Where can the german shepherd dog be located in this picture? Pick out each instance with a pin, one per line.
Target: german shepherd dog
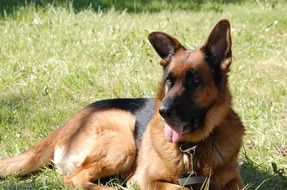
(188, 135)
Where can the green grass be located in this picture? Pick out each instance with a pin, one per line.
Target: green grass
(55, 59)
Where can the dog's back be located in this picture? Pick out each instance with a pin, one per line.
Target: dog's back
(70, 145)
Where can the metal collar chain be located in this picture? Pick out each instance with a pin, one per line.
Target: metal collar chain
(190, 151)
(190, 179)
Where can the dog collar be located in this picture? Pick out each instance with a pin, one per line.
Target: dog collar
(190, 179)
(187, 146)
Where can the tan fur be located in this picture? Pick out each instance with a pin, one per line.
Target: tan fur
(170, 163)
(113, 149)
(30, 161)
(100, 143)
(104, 146)
(219, 140)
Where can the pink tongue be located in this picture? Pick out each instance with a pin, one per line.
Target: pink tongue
(172, 132)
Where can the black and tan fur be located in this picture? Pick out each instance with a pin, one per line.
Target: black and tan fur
(139, 139)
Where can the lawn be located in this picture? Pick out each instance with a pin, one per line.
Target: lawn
(56, 58)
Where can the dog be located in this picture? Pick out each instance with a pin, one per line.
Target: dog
(187, 137)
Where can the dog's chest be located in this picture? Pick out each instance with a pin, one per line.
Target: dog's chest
(205, 160)
(199, 159)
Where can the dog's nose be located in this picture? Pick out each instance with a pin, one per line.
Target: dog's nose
(165, 111)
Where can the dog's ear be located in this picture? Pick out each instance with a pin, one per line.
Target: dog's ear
(165, 45)
(218, 45)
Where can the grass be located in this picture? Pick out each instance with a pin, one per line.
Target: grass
(57, 58)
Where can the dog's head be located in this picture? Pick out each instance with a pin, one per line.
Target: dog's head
(194, 83)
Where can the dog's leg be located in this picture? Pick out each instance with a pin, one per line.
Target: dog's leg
(84, 175)
(229, 178)
(143, 184)
(160, 185)
(107, 160)
(235, 184)
(107, 147)
(92, 186)
(84, 179)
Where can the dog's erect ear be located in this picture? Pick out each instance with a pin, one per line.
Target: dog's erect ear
(218, 45)
(164, 44)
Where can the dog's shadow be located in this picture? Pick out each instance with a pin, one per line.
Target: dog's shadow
(257, 177)
(46, 179)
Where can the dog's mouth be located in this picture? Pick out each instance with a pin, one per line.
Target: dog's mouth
(174, 130)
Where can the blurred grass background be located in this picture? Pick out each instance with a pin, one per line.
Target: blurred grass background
(58, 56)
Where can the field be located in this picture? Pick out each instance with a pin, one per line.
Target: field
(55, 58)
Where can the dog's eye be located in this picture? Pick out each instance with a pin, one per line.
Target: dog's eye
(169, 81)
(196, 80)
(193, 82)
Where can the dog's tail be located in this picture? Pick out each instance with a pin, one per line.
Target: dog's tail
(36, 157)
